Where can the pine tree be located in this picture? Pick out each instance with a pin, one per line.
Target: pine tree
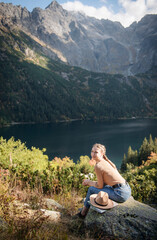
(135, 157)
(129, 154)
(151, 142)
(144, 151)
(155, 145)
(124, 161)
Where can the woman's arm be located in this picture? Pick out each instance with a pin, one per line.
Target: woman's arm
(99, 183)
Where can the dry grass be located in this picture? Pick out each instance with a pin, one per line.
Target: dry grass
(24, 224)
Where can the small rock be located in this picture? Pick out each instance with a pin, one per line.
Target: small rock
(53, 215)
(52, 204)
(26, 205)
(21, 205)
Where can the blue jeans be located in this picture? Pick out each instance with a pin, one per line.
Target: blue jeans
(119, 194)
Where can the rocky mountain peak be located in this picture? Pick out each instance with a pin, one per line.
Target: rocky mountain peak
(97, 45)
(54, 5)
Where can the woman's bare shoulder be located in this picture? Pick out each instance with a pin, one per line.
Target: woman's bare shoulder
(101, 165)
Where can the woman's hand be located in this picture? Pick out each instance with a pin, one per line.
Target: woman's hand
(92, 162)
(85, 182)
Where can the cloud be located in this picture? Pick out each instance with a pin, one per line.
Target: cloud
(129, 10)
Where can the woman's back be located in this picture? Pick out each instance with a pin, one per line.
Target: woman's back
(106, 173)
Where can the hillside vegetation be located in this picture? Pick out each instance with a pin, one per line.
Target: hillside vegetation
(33, 168)
(140, 170)
(27, 176)
(35, 88)
(136, 157)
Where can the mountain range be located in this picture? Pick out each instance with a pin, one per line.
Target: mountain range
(46, 58)
(86, 42)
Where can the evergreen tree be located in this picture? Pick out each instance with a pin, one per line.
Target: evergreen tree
(136, 158)
(123, 165)
(151, 142)
(143, 151)
(155, 145)
(132, 156)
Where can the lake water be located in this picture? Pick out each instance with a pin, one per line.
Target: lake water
(76, 138)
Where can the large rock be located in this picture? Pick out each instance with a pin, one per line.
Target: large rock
(129, 220)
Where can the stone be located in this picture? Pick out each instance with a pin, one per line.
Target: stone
(129, 220)
(52, 204)
(52, 215)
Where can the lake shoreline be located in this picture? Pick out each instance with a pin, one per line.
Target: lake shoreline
(74, 120)
(75, 138)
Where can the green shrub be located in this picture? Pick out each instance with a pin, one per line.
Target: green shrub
(143, 180)
(16, 155)
(83, 165)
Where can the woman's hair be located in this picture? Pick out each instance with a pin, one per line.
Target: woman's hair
(103, 149)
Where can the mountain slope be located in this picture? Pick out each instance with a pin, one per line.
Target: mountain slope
(35, 88)
(97, 45)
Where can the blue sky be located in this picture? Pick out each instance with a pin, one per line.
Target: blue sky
(30, 4)
(124, 11)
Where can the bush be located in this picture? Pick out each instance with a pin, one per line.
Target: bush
(143, 180)
(15, 154)
(30, 167)
(83, 165)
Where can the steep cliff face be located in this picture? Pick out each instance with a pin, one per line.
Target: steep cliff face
(33, 87)
(144, 40)
(97, 45)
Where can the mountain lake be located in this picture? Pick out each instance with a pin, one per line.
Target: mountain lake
(74, 139)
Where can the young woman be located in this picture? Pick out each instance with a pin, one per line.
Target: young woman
(109, 179)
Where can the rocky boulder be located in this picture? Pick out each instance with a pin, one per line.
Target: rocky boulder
(129, 220)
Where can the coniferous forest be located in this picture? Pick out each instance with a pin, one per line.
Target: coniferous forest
(35, 88)
(27, 178)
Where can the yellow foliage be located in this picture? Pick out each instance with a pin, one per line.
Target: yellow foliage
(15, 153)
(151, 159)
(85, 165)
(65, 162)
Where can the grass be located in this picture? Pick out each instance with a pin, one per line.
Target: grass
(25, 224)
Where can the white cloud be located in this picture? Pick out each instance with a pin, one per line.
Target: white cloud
(89, 10)
(130, 11)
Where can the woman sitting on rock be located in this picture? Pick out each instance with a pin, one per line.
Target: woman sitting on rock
(109, 180)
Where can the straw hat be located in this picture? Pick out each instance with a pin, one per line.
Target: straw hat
(101, 200)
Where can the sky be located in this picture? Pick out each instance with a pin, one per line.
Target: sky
(123, 11)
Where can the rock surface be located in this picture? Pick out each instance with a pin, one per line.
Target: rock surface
(130, 220)
(52, 215)
(52, 204)
(97, 45)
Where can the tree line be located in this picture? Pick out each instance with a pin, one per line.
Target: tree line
(137, 157)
